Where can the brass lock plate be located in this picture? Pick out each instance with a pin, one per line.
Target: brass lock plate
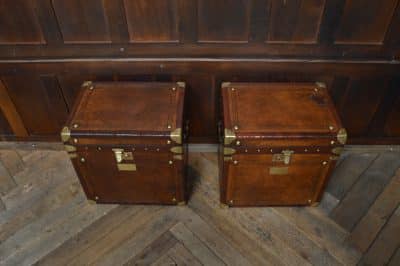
(284, 157)
(121, 156)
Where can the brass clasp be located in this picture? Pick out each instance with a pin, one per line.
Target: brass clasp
(120, 156)
(283, 157)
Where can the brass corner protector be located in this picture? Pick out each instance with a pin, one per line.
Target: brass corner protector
(342, 136)
(181, 84)
(337, 150)
(229, 136)
(70, 148)
(225, 84)
(65, 134)
(320, 84)
(87, 83)
(229, 151)
(177, 149)
(176, 135)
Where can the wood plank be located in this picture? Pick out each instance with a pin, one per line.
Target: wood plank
(370, 225)
(54, 235)
(385, 244)
(142, 235)
(214, 240)
(348, 172)
(165, 260)
(15, 219)
(90, 235)
(364, 192)
(322, 231)
(327, 203)
(7, 183)
(181, 256)
(273, 247)
(10, 112)
(155, 250)
(115, 237)
(2, 206)
(395, 259)
(11, 161)
(199, 249)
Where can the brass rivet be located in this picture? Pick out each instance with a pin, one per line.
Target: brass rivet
(309, 201)
(133, 149)
(82, 159)
(146, 149)
(332, 142)
(231, 202)
(235, 162)
(271, 150)
(96, 198)
(99, 148)
(157, 149)
(91, 87)
(258, 150)
(168, 142)
(173, 199)
(317, 150)
(237, 143)
(174, 89)
(233, 89)
(324, 162)
(170, 162)
(245, 150)
(169, 126)
(316, 89)
(75, 125)
(75, 140)
(236, 127)
(305, 150)
(331, 128)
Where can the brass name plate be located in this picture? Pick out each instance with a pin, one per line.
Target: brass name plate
(126, 166)
(278, 170)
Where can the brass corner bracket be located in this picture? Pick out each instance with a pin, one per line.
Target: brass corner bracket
(342, 136)
(229, 136)
(225, 84)
(176, 135)
(87, 84)
(229, 151)
(65, 134)
(181, 84)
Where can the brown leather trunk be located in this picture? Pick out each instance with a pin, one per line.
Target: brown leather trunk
(125, 141)
(280, 143)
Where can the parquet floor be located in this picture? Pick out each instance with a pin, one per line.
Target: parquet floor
(46, 220)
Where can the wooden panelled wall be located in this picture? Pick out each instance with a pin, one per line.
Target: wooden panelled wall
(49, 47)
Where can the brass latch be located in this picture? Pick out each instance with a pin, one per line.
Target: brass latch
(120, 156)
(283, 157)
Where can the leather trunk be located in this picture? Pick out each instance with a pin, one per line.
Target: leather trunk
(280, 142)
(127, 141)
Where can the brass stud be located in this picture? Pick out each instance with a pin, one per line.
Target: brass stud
(169, 126)
(317, 150)
(170, 162)
(309, 201)
(324, 162)
(235, 162)
(91, 87)
(75, 125)
(236, 127)
(237, 143)
(305, 150)
(231, 202)
(157, 149)
(232, 89)
(75, 140)
(99, 148)
(258, 150)
(173, 199)
(146, 149)
(245, 150)
(271, 150)
(96, 198)
(332, 142)
(174, 89)
(82, 160)
(331, 128)
(168, 142)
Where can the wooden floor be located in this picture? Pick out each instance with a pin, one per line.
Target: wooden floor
(46, 220)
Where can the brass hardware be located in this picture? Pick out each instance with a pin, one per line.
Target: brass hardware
(176, 149)
(278, 170)
(173, 199)
(121, 155)
(169, 126)
(320, 84)
(229, 151)
(225, 84)
(337, 150)
(176, 135)
(229, 136)
(305, 150)
(99, 148)
(331, 128)
(73, 155)
(258, 150)
(168, 142)
(236, 127)
(96, 198)
(87, 84)
(181, 84)
(158, 149)
(238, 143)
(170, 162)
(173, 89)
(82, 160)
(65, 134)
(75, 140)
(315, 204)
(181, 203)
(235, 162)
(70, 148)
(324, 162)
(334, 158)
(309, 201)
(283, 157)
(342, 136)
(126, 166)
(332, 142)
(178, 157)
(75, 125)
(233, 89)
(227, 159)
(231, 202)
